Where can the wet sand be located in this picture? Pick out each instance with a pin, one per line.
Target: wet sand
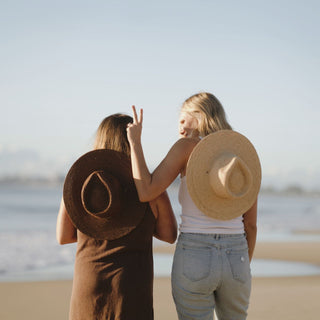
(282, 298)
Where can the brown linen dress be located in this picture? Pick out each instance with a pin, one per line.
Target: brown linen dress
(113, 279)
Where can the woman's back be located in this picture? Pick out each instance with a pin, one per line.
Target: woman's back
(112, 278)
(100, 210)
(195, 221)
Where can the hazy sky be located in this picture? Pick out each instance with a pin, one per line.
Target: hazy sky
(65, 65)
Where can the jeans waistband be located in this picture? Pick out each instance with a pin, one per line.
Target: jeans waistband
(215, 235)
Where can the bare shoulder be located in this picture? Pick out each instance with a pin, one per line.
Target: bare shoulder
(181, 150)
(174, 162)
(186, 145)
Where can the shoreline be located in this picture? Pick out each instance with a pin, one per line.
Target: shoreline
(288, 298)
(267, 262)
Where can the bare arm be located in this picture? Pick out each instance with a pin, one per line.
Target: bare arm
(166, 224)
(150, 186)
(250, 226)
(65, 230)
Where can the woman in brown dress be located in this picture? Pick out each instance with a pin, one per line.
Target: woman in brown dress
(113, 275)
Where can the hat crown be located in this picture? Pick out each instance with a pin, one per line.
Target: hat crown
(230, 177)
(100, 194)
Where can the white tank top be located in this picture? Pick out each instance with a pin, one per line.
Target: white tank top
(194, 221)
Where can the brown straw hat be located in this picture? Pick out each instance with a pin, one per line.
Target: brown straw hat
(100, 195)
(224, 175)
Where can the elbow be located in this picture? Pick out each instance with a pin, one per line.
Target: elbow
(143, 199)
(59, 237)
(170, 238)
(146, 197)
(173, 238)
(251, 228)
(147, 193)
(65, 240)
(61, 240)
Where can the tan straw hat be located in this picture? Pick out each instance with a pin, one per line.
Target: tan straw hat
(224, 175)
(100, 195)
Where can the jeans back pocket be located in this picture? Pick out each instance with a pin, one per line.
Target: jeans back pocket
(196, 262)
(239, 264)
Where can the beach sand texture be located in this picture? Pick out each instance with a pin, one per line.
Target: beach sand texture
(277, 298)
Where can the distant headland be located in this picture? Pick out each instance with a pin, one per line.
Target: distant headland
(57, 181)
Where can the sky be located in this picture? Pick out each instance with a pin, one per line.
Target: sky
(66, 65)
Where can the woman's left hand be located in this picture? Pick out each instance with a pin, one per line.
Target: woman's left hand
(134, 129)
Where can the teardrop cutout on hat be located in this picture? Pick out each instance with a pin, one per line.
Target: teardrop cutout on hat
(230, 177)
(99, 194)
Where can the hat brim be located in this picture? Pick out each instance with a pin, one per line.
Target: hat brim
(132, 211)
(200, 163)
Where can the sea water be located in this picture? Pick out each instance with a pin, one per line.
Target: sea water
(29, 251)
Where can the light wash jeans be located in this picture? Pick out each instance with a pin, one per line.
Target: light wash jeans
(211, 271)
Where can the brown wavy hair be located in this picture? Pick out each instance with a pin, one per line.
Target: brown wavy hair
(112, 133)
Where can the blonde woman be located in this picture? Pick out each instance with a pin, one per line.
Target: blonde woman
(113, 275)
(203, 278)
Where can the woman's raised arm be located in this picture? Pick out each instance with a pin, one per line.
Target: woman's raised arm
(150, 186)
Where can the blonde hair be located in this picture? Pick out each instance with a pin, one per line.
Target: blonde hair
(209, 112)
(112, 133)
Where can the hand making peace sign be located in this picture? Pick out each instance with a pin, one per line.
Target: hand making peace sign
(134, 129)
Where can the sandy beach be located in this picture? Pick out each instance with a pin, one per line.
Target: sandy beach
(285, 298)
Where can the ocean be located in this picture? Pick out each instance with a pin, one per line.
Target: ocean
(29, 251)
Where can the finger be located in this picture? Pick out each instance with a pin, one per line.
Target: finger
(135, 117)
(141, 116)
